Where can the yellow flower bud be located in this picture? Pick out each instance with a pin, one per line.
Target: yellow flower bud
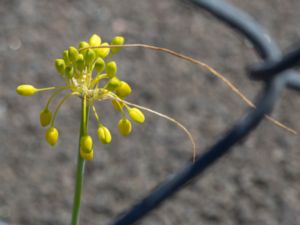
(87, 155)
(26, 90)
(65, 56)
(136, 115)
(73, 54)
(113, 83)
(124, 127)
(52, 136)
(86, 143)
(95, 40)
(111, 69)
(104, 135)
(45, 117)
(90, 56)
(60, 66)
(123, 90)
(99, 65)
(117, 105)
(80, 62)
(83, 44)
(102, 52)
(118, 40)
(69, 71)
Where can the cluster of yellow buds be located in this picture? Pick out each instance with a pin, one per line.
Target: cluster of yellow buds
(89, 73)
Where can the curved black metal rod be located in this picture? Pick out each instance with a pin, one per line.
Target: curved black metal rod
(268, 50)
(244, 24)
(273, 67)
(258, 36)
(293, 81)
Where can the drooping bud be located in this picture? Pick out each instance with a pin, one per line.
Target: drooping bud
(90, 56)
(73, 54)
(95, 40)
(99, 65)
(123, 90)
(124, 127)
(69, 71)
(136, 115)
(113, 83)
(86, 143)
(111, 69)
(117, 105)
(104, 134)
(26, 90)
(52, 136)
(80, 62)
(102, 52)
(118, 40)
(45, 117)
(60, 66)
(87, 155)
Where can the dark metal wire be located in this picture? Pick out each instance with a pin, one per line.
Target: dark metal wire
(273, 67)
(274, 85)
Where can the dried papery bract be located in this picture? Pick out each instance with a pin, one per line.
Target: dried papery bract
(231, 86)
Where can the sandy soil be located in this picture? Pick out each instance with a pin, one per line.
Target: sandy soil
(258, 183)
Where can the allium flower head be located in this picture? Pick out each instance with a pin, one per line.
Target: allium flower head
(90, 74)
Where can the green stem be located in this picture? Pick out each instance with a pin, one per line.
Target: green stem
(80, 166)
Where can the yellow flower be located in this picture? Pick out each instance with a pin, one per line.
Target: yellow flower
(123, 90)
(26, 90)
(118, 40)
(52, 136)
(124, 127)
(90, 77)
(111, 69)
(102, 52)
(104, 134)
(87, 155)
(95, 40)
(136, 115)
(86, 143)
(117, 105)
(45, 117)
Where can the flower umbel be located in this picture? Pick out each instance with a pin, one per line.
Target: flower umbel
(92, 75)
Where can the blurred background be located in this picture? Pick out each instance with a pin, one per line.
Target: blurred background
(257, 183)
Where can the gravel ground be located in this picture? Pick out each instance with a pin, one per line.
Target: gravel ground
(258, 183)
